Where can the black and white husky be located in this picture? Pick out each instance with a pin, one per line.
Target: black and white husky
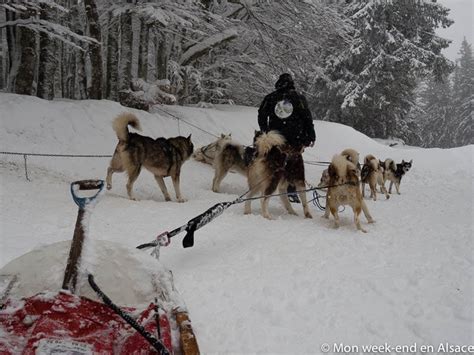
(394, 172)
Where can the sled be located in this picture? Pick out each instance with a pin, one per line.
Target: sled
(105, 299)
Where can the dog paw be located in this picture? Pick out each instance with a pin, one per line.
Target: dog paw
(181, 200)
(109, 186)
(308, 215)
(167, 198)
(247, 212)
(363, 230)
(268, 216)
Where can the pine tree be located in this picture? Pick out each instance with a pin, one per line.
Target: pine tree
(370, 85)
(438, 111)
(463, 96)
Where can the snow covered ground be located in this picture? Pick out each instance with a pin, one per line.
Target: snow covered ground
(253, 285)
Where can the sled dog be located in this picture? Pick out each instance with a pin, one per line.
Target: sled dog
(207, 153)
(351, 155)
(344, 190)
(162, 156)
(275, 166)
(231, 156)
(372, 173)
(394, 173)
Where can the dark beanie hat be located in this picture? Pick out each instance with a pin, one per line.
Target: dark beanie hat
(285, 80)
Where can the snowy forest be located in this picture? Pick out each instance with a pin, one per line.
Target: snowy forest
(374, 65)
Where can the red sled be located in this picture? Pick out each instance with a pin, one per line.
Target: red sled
(48, 306)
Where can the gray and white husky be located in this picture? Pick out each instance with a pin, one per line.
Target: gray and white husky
(394, 173)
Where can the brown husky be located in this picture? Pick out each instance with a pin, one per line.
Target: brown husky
(275, 166)
(371, 174)
(231, 156)
(162, 157)
(344, 190)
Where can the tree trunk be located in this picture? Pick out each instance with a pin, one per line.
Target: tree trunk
(26, 71)
(143, 50)
(47, 59)
(112, 58)
(80, 90)
(2, 74)
(161, 57)
(12, 51)
(126, 50)
(95, 49)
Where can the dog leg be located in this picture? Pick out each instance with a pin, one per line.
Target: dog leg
(302, 194)
(390, 187)
(357, 219)
(264, 203)
(397, 187)
(284, 199)
(108, 180)
(336, 217)
(162, 185)
(366, 212)
(115, 166)
(248, 203)
(177, 189)
(219, 175)
(384, 191)
(132, 177)
(363, 189)
(373, 190)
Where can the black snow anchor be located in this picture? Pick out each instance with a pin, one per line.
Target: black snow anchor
(193, 225)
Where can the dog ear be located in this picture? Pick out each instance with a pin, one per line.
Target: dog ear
(411, 161)
(403, 161)
(230, 134)
(189, 137)
(222, 135)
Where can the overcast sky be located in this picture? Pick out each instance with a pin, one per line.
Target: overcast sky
(462, 12)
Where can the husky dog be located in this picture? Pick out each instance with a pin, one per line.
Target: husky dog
(162, 156)
(231, 156)
(275, 166)
(371, 173)
(344, 190)
(394, 173)
(351, 155)
(207, 153)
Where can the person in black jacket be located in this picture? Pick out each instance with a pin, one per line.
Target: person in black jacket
(286, 111)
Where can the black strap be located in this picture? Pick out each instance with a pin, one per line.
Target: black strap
(158, 345)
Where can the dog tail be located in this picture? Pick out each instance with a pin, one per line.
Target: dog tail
(267, 141)
(352, 155)
(342, 166)
(390, 164)
(122, 122)
(368, 158)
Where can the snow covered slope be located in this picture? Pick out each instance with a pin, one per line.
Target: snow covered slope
(253, 285)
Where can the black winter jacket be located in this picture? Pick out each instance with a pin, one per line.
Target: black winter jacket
(298, 128)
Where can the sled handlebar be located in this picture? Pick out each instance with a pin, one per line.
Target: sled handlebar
(86, 185)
